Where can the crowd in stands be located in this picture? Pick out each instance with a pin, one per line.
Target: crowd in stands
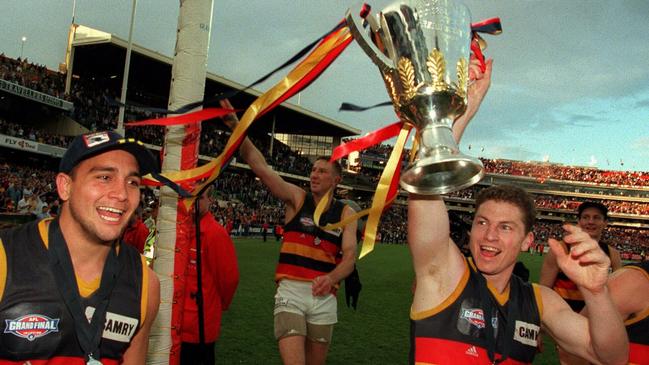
(565, 203)
(33, 134)
(27, 190)
(95, 107)
(31, 75)
(540, 171)
(570, 173)
(243, 202)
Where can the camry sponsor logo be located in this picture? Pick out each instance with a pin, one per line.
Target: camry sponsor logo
(96, 139)
(526, 333)
(117, 327)
(32, 326)
(475, 316)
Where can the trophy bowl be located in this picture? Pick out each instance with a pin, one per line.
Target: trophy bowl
(422, 50)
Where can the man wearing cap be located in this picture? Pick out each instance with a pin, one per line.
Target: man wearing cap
(69, 292)
(592, 218)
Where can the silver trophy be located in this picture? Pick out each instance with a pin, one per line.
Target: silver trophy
(422, 50)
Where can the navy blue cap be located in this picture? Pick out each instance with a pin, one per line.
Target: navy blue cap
(591, 204)
(92, 144)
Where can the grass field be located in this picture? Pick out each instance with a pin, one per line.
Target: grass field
(376, 333)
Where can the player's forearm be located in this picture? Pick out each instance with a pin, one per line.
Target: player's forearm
(609, 341)
(251, 155)
(428, 229)
(343, 269)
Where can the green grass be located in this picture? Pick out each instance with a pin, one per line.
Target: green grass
(376, 333)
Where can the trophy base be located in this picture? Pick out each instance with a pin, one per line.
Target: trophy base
(437, 176)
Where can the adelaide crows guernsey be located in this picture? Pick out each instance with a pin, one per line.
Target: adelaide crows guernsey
(454, 332)
(35, 324)
(307, 251)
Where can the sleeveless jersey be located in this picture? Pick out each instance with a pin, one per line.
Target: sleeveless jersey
(638, 327)
(569, 290)
(308, 251)
(455, 333)
(35, 324)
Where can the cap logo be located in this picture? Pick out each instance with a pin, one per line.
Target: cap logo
(95, 139)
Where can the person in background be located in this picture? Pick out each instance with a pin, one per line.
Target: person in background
(136, 233)
(592, 218)
(219, 279)
(312, 260)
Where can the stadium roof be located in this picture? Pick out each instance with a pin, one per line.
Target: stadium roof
(99, 55)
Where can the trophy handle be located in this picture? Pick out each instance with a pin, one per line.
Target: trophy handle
(355, 24)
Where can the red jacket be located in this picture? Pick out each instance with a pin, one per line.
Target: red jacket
(220, 277)
(135, 235)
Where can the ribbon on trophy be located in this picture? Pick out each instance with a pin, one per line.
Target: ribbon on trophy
(478, 44)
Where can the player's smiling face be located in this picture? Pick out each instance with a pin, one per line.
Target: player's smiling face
(103, 194)
(497, 236)
(593, 222)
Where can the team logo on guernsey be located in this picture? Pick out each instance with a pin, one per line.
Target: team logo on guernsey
(32, 326)
(526, 333)
(475, 316)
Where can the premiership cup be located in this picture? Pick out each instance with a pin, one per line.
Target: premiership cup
(422, 50)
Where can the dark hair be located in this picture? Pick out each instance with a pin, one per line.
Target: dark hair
(590, 204)
(338, 169)
(513, 195)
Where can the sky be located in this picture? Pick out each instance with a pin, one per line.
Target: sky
(570, 81)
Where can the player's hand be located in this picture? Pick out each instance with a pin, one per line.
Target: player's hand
(322, 285)
(581, 259)
(479, 82)
(231, 119)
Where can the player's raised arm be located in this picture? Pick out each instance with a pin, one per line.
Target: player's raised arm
(292, 195)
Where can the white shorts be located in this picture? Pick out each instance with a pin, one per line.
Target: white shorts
(295, 296)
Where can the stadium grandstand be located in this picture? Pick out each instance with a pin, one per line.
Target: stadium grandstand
(40, 109)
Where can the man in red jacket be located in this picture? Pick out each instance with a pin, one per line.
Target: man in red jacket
(219, 277)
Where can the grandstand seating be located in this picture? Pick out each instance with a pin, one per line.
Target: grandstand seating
(245, 204)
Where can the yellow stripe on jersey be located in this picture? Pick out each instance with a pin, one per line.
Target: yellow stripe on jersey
(447, 302)
(539, 298)
(43, 226)
(306, 251)
(3, 269)
(86, 288)
(145, 290)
